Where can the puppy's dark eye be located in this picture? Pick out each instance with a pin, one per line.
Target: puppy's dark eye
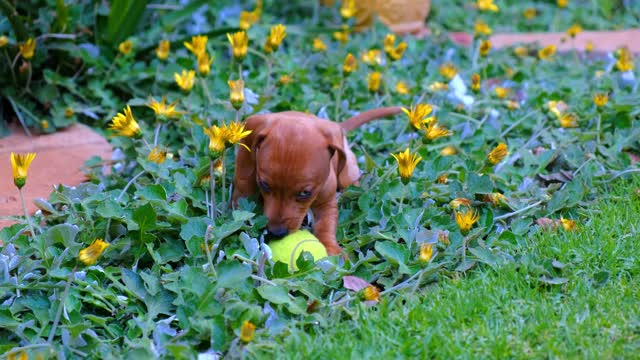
(303, 195)
(264, 187)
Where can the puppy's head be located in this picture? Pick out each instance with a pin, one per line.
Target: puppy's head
(297, 157)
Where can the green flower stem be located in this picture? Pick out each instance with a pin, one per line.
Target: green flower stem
(268, 282)
(598, 125)
(402, 284)
(156, 134)
(402, 197)
(464, 248)
(29, 75)
(508, 215)
(26, 213)
(212, 175)
(339, 98)
(129, 184)
(267, 86)
(205, 90)
(513, 126)
(385, 82)
(207, 235)
(61, 306)
(13, 75)
(224, 180)
(113, 63)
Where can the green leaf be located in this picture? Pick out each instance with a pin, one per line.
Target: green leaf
(110, 209)
(280, 295)
(394, 253)
(193, 227)
(241, 215)
(477, 184)
(232, 274)
(152, 192)
(145, 217)
(485, 256)
(64, 234)
(134, 283)
(124, 17)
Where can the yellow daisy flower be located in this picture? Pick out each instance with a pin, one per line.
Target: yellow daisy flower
(247, 331)
(466, 219)
(236, 93)
(348, 8)
(498, 154)
(426, 252)
(372, 57)
(239, 44)
(487, 5)
(448, 70)
(485, 47)
(373, 81)
(600, 99)
(406, 164)
(371, 293)
(125, 47)
(350, 64)
(157, 155)
(343, 35)
(162, 109)
(434, 131)
(198, 45)
(568, 120)
(547, 52)
(475, 82)
(204, 63)
(319, 45)
(402, 88)
(418, 115)
(162, 51)
(27, 49)
(529, 13)
(186, 80)
(235, 132)
(217, 138)
(481, 28)
(125, 124)
(90, 254)
(273, 41)
(20, 165)
(574, 30)
(448, 150)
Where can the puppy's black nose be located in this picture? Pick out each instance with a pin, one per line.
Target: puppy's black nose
(278, 232)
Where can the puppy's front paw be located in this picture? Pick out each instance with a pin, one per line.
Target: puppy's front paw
(334, 250)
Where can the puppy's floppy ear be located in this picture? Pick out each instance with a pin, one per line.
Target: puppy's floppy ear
(347, 170)
(244, 180)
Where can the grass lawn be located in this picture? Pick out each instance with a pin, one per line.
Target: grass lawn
(504, 312)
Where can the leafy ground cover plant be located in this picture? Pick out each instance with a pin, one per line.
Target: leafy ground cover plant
(150, 260)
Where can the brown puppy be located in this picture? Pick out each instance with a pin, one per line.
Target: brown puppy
(298, 162)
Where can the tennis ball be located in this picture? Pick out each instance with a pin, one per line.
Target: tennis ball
(291, 246)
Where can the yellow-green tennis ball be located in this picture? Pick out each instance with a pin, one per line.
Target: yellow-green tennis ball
(289, 248)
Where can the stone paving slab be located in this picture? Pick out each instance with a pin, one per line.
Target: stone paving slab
(60, 157)
(603, 41)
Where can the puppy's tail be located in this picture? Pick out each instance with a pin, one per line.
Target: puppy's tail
(367, 116)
